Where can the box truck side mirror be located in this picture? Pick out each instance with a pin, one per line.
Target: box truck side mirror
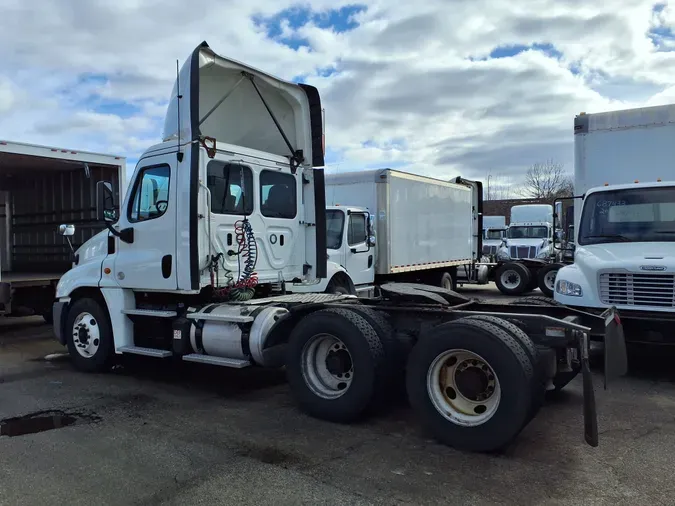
(67, 230)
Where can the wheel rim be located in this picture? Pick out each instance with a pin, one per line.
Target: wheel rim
(463, 387)
(327, 366)
(86, 335)
(549, 279)
(510, 279)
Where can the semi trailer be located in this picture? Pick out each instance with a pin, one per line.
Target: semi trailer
(40, 188)
(197, 271)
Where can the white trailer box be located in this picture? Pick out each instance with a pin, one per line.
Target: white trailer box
(494, 222)
(421, 223)
(41, 188)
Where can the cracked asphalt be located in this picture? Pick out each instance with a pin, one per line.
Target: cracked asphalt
(150, 434)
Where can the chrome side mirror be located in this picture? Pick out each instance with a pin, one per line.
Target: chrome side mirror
(67, 230)
(371, 241)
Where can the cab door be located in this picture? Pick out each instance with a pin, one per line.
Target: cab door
(148, 260)
(360, 256)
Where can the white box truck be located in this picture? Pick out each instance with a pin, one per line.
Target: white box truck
(406, 228)
(42, 187)
(196, 272)
(625, 220)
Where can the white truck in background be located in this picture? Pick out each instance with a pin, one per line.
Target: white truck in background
(526, 256)
(42, 187)
(494, 231)
(625, 222)
(406, 228)
(197, 273)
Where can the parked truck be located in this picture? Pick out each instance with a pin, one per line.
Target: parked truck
(40, 188)
(625, 220)
(406, 228)
(526, 259)
(197, 273)
(494, 231)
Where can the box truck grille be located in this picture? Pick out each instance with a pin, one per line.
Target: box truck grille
(489, 250)
(523, 251)
(627, 289)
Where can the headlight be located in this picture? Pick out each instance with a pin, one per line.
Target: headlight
(543, 253)
(567, 288)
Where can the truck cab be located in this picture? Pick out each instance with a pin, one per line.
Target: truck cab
(492, 239)
(625, 253)
(530, 233)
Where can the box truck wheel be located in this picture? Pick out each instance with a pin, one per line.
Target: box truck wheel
(448, 281)
(512, 278)
(89, 336)
(336, 364)
(546, 278)
(470, 382)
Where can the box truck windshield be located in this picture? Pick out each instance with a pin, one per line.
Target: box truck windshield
(494, 234)
(627, 215)
(517, 232)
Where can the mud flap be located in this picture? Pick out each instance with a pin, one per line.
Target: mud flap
(616, 358)
(590, 409)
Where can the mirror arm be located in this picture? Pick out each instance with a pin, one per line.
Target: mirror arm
(125, 235)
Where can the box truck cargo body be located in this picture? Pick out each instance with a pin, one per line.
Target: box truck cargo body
(625, 223)
(41, 188)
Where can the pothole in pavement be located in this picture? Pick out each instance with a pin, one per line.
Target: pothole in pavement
(42, 421)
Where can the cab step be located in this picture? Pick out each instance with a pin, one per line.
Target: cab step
(150, 312)
(147, 352)
(209, 359)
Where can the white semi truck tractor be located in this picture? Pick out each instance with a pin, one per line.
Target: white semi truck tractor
(625, 221)
(229, 209)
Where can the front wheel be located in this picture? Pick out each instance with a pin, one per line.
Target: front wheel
(89, 336)
(546, 279)
(512, 278)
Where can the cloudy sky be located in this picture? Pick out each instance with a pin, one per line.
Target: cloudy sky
(440, 87)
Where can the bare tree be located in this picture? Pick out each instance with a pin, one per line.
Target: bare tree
(547, 180)
(498, 187)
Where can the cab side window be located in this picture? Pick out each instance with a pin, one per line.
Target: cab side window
(231, 187)
(151, 194)
(357, 231)
(278, 195)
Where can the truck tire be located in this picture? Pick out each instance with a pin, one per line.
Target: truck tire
(338, 288)
(512, 278)
(89, 336)
(336, 365)
(448, 281)
(546, 278)
(494, 383)
(534, 300)
(538, 379)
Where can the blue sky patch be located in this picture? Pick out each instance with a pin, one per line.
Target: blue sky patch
(508, 51)
(339, 20)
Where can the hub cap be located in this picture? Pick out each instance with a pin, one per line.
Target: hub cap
(86, 335)
(549, 279)
(327, 366)
(510, 279)
(463, 387)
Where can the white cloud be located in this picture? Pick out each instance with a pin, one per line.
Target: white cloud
(414, 83)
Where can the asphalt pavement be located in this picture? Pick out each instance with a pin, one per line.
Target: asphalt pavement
(151, 433)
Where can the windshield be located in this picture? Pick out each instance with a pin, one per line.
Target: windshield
(335, 221)
(494, 234)
(630, 215)
(539, 232)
